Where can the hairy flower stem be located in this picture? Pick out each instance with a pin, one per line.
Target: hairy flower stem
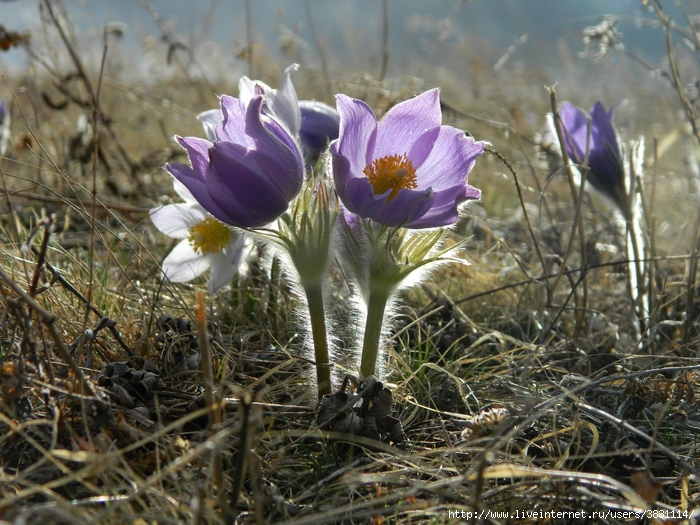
(373, 330)
(314, 299)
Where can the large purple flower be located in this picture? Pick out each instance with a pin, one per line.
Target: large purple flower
(248, 176)
(604, 159)
(407, 170)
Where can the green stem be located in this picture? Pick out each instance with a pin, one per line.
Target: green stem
(314, 299)
(373, 331)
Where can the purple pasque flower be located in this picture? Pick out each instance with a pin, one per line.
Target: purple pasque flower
(606, 172)
(250, 173)
(313, 123)
(406, 170)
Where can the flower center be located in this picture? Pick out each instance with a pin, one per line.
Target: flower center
(209, 236)
(393, 172)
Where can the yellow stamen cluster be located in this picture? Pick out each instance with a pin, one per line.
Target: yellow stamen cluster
(209, 236)
(392, 172)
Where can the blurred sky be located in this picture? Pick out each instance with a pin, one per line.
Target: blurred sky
(414, 24)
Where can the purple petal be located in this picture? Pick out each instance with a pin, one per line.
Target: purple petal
(445, 208)
(236, 184)
(280, 157)
(358, 128)
(196, 186)
(183, 192)
(358, 195)
(406, 122)
(320, 124)
(232, 127)
(408, 206)
(605, 166)
(601, 123)
(197, 151)
(421, 148)
(575, 123)
(450, 161)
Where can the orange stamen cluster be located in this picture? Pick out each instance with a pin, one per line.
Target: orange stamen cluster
(209, 236)
(392, 172)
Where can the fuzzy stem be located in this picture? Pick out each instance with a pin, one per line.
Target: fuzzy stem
(373, 331)
(314, 299)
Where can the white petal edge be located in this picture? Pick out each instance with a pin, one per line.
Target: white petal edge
(210, 120)
(175, 220)
(184, 263)
(183, 192)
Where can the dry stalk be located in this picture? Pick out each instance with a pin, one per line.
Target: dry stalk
(578, 218)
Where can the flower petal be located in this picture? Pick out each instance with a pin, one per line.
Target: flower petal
(183, 192)
(358, 128)
(194, 183)
(224, 264)
(408, 206)
(602, 123)
(237, 185)
(284, 103)
(450, 161)
(232, 127)
(184, 263)
(576, 124)
(445, 208)
(246, 89)
(280, 156)
(196, 151)
(210, 120)
(281, 104)
(359, 198)
(406, 122)
(320, 124)
(175, 220)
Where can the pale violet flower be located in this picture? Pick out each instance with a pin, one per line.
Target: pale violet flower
(407, 169)
(206, 242)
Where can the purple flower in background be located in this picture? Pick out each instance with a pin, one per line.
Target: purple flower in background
(320, 124)
(604, 159)
(313, 123)
(250, 173)
(407, 170)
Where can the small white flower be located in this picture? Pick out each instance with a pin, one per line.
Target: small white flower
(206, 242)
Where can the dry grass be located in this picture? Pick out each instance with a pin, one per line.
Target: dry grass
(509, 403)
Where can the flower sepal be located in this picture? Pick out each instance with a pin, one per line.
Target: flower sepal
(383, 260)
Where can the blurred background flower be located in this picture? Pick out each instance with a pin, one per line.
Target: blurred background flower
(605, 169)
